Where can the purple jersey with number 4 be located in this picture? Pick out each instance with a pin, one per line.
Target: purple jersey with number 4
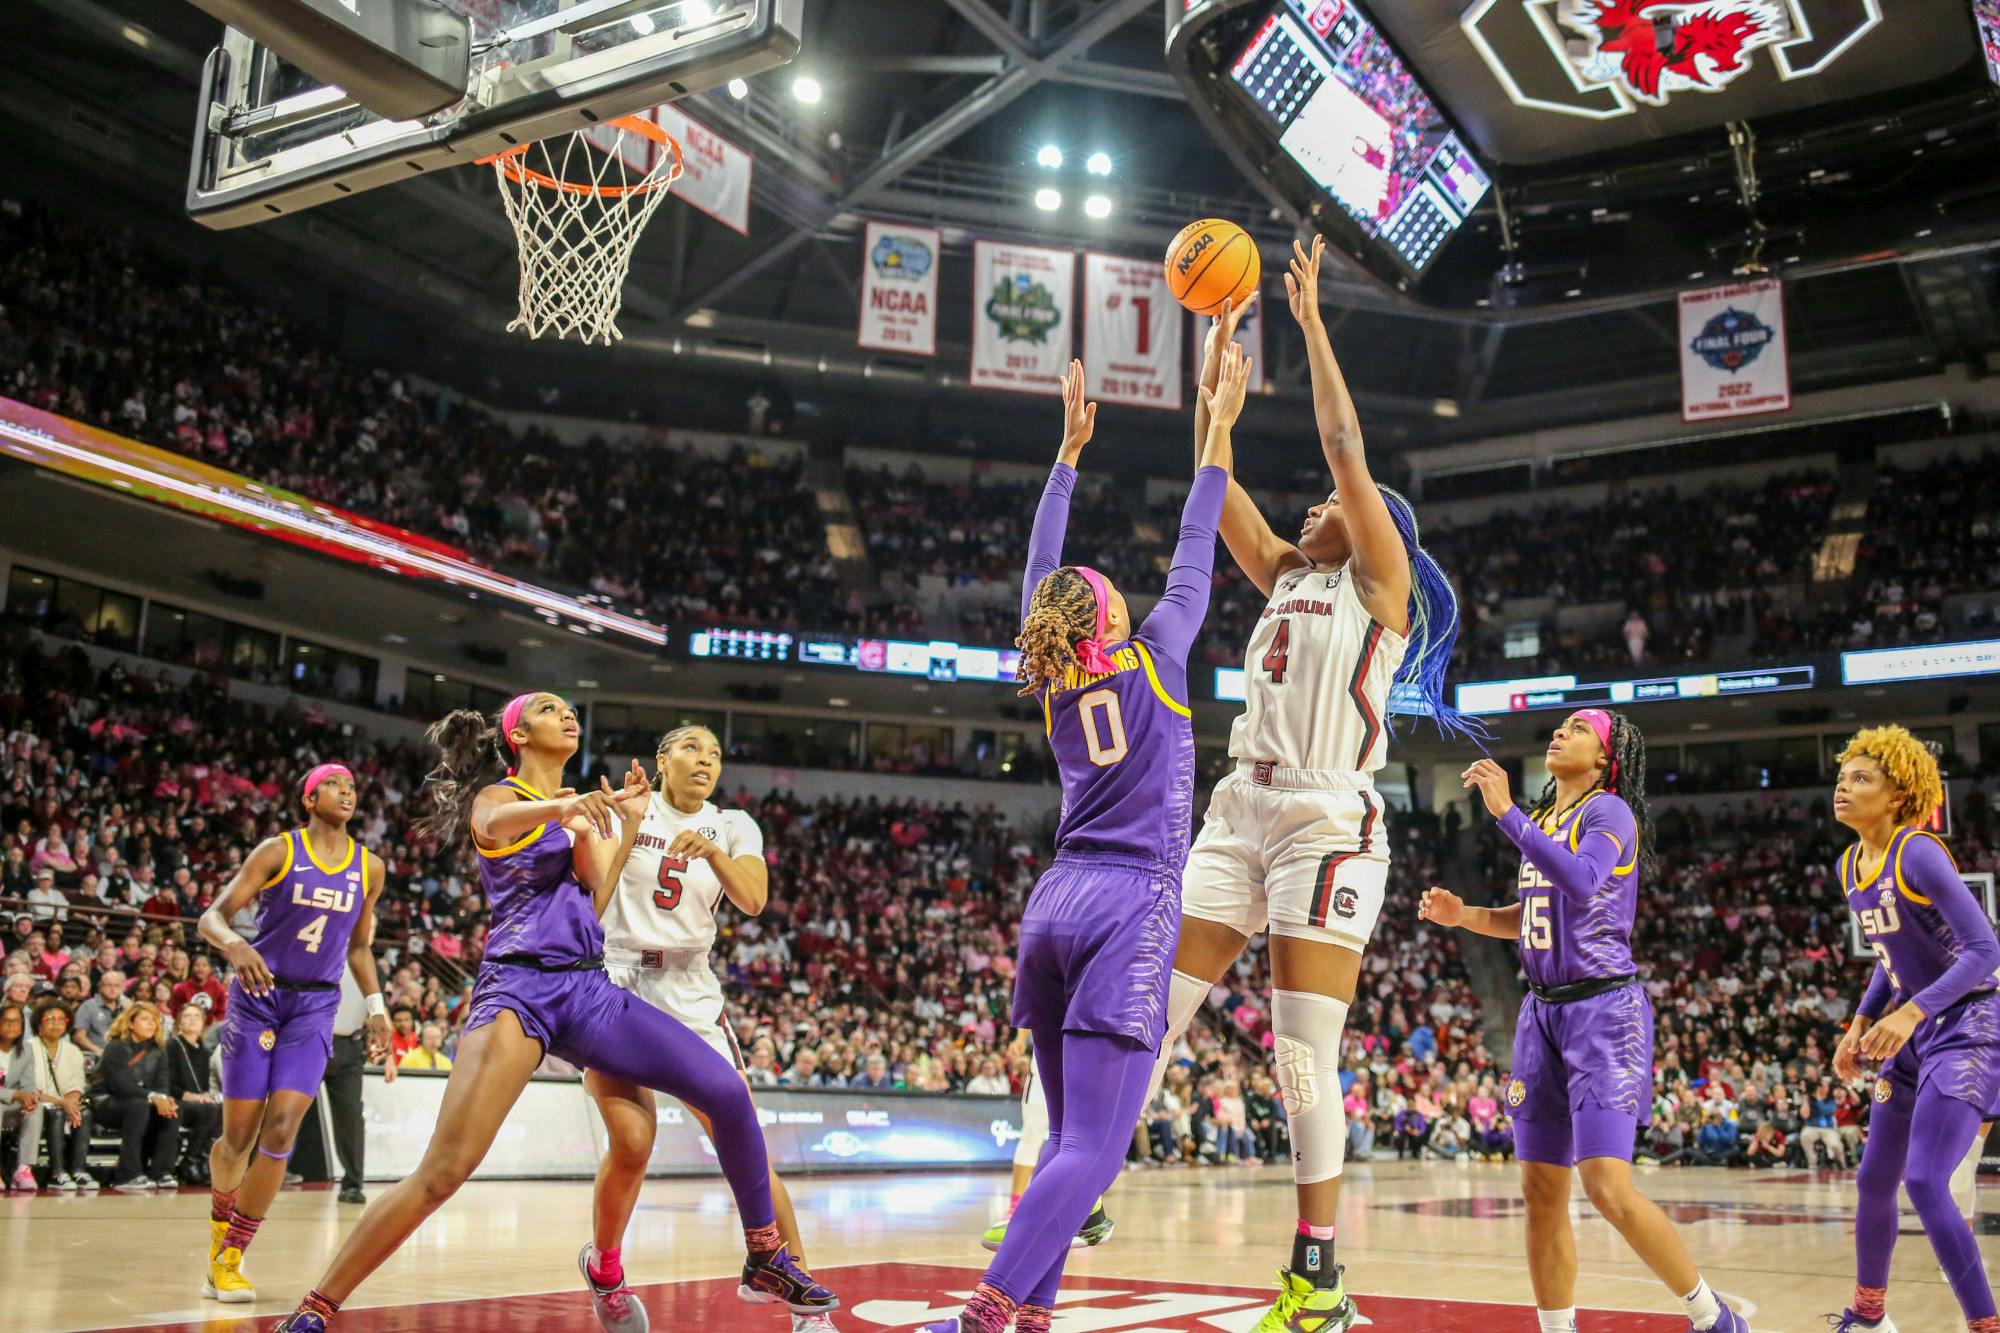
(1124, 741)
(307, 913)
(1579, 886)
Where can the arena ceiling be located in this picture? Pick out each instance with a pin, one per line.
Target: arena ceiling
(933, 111)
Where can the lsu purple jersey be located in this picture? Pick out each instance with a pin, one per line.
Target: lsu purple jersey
(1917, 915)
(539, 908)
(1124, 745)
(306, 914)
(1584, 931)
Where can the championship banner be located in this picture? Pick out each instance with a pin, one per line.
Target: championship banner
(899, 287)
(1249, 332)
(1131, 333)
(1734, 361)
(1022, 300)
(716, 175)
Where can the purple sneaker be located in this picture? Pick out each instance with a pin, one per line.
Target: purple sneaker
(302, 1321)
(1731, 1322)
(779, 1280)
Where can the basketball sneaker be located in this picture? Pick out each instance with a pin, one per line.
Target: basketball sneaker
(24, 1181)
(1303, 1308)
(216, 1231)
(618, 1307)
(813, 1323)
(778, 1280)
(1849, 1322)
(302, 1321)
(226, 1282)
(1096, 1229)
(1731, 1322)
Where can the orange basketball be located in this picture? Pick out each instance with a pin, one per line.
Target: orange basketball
(1210, 262)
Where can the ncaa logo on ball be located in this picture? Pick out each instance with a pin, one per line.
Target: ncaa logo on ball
(1732, 340)
(1883, 1089)
(268, 1039)
(1517, 1092)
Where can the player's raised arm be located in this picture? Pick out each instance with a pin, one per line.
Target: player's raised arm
(1045, 542)
(1381, 562)
(597, 857)
(1260, 553)
(1176, 618)
(259, 871)
(1607, 835)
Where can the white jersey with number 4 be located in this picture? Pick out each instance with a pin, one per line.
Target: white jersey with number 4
(1316, 677)
(669, 902)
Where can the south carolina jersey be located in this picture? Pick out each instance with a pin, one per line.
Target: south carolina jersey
(669, 902)
(1586, 932)
(307, 912)
(1317, 674)
(539, 906)
(1917, 915)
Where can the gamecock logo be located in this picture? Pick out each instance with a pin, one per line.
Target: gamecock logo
(1656, 48)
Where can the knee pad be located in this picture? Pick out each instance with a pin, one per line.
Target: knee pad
(1185, 996)
(1306, 1050)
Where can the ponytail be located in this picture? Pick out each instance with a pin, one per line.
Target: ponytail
(1061, 614)
(1433, 627)
(467, 743)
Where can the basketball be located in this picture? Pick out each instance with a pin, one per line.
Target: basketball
(1210, 262)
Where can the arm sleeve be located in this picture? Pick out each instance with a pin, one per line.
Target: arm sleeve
(1045, 543)
(1876, 998)
(1926, 868)
(1605, 840)
(1176, 620)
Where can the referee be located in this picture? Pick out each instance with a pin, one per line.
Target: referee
(343, 1086)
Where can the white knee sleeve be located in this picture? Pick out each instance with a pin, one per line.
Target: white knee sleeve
(1307, 1029)
(1034, 1122)
(1185, 996)
(1965, 1180)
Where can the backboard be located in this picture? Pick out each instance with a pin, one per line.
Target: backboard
(271, 140)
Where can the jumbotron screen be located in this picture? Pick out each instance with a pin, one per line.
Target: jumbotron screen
(1351, 114)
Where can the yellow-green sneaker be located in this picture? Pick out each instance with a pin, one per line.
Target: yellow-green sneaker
(1097, 1229)
(1303, 1308)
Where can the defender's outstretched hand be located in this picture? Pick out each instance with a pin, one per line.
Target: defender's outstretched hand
(1079, 416)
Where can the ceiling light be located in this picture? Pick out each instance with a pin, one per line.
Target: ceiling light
(1050, 156)
(738, 89)
(642, 24)
(1099, 164)
(806, 89)
(697, 11)
(1097, 206)
(1048, 200)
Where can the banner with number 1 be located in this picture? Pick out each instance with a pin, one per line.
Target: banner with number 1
(1131, 333)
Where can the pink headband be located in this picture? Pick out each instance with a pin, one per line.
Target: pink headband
(511, 715)
(1090, 654)
(322, 773)
(1600, 722)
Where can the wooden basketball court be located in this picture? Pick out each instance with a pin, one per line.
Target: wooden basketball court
(1433, 1248)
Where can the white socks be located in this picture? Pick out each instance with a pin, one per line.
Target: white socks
(1703, 1309)
(1558, 1321)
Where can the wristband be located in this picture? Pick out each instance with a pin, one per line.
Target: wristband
(377, 1007)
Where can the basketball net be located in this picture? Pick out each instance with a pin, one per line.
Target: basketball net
(578, 203)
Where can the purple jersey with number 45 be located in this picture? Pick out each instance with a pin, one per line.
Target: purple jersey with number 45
(307, 913)
(1579, 886)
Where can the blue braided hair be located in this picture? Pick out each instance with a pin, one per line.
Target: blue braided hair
(1433, 627)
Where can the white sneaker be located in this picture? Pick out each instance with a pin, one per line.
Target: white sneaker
(813, 1323)
(136, 1185)
(86, 1183)
(63, 1182)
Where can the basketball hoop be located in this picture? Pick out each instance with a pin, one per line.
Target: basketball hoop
(577, 213)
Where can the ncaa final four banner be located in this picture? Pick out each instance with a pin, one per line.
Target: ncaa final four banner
(1131, 333)
(1023, 299)
(899, 284)
(1734, 360)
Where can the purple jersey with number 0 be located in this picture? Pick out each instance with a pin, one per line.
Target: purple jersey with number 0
(307, 913)
(1579, 887)
(539, 908)
(1124, 740)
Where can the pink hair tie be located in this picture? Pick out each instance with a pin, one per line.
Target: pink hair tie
(1600, 722)
(321, 774)
(1090, 653)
